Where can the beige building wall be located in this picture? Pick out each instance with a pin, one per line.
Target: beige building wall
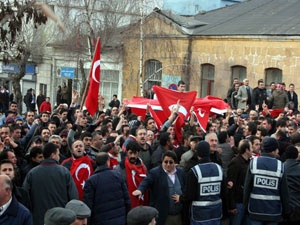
(255, 54)
(162, 41)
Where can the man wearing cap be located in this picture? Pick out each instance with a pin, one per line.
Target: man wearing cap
(64, 150)
(36, 141)
(189, 154)
(204, 189)
(59, 216)
(133, 172)
(292, 169)
(266, 191)
(81, 210)
(142, 215)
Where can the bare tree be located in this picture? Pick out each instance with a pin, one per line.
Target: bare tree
(86, 20)
(19, 22)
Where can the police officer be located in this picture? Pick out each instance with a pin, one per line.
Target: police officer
(266, 190)
(204, 188)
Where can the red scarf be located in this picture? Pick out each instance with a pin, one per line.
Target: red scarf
(134, 176)
(81, 169)
(113, 160)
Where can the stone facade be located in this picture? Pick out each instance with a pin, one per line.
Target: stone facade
(183, 55)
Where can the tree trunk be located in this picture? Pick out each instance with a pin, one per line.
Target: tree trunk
(83, 76)
(17, 79)
(17, 93)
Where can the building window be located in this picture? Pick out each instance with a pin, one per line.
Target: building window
(43, 88)
(153, 74)
(109, 84)
(239, 72)
(207, 80)
(273, 75)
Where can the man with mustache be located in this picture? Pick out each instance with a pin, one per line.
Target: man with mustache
(133, 171)
(146, 150)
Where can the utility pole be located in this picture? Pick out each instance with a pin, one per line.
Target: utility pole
(141, 49)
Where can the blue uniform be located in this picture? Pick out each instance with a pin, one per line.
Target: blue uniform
(208, 204)
(265, 191)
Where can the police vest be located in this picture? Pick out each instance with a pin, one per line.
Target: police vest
(265, 195)
(208, 205)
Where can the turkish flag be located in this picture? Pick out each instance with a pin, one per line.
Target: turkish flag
(81, 170)
(169, 98)
(215, 104)
(203, 107)
(155, 117)
(138, 106)
(92, 96)
(202, 115)
(273, 112)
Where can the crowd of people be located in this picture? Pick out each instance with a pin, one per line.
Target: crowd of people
(116, 167)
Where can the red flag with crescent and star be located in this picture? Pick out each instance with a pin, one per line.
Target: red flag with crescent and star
(91, 102)
(202, 115)
(81, 170)
(169, 98)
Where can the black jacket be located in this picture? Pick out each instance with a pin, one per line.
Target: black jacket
(22, 196)
(292, 169)
(237, 170)
(157, 183)
(106, 195)
(259, 96)
(294, 99)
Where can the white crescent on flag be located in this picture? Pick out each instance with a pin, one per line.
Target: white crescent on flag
(182, 109)
(96, 64)
(201, 114)
(82, 166)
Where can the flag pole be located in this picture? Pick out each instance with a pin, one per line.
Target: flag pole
(85, 93)
(88, 79)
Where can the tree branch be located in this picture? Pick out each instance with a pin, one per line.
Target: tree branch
(20, 11)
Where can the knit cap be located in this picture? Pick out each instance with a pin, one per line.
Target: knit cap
(269, 144)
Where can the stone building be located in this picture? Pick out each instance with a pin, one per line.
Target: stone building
(254, 39)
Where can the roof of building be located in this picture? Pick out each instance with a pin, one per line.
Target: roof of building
(253, 17)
